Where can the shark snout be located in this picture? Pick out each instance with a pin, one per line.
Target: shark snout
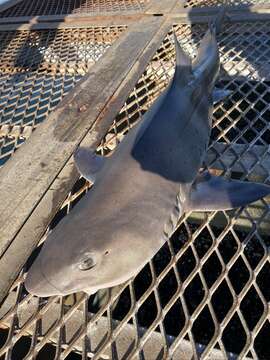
(37, 284)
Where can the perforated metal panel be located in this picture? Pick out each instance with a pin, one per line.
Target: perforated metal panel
(37, 68)
(208, 286)
(59, 7)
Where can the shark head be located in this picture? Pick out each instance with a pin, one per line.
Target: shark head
(73, 260)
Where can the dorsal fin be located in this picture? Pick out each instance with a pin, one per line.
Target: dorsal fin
(214, 28)
(88, 163)
(183, 71)
(216, 25)
(202, 50)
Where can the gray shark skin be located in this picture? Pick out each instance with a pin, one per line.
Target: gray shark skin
(125, 219)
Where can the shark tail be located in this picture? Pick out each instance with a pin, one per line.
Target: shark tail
(216, 24)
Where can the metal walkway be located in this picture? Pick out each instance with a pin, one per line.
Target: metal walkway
(205, 294)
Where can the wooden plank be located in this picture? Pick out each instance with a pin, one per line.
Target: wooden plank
(169, 8)
(205, 14)
(75, 19)
(250, 16)
(26, 181)
(158, 7)
(105, 21)
(73, 24)
(9, 4)
(195, 18)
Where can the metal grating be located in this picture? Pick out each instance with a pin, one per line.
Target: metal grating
(205, 3)
(37, 68)
(206, 291)
(63, 7)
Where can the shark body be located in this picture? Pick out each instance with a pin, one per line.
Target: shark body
(140, 191)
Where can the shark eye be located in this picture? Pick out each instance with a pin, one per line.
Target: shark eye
(87, 263)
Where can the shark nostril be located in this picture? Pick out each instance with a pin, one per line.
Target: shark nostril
(87, 263)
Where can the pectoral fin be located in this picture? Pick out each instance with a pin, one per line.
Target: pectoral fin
(211, 193)
(88, 163)
(220, 94)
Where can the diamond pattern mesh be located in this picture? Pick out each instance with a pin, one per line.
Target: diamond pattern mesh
(37, 68)
(206, 291)
(59, 7)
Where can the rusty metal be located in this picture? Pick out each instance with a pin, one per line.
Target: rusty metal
(208, 285)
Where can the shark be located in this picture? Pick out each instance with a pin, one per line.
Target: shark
(139, 192)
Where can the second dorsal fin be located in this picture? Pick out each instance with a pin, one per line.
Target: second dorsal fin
(183, 69)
